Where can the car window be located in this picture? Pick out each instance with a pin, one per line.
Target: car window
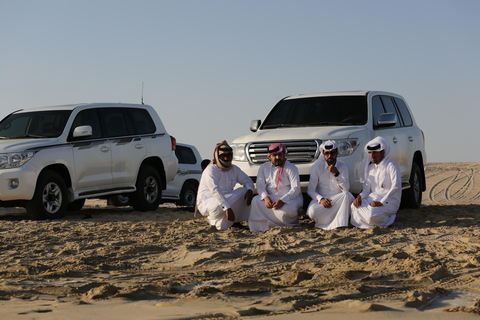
(407, 118)
(185, 155)
(114, 122)
(88, 117)
(377, 110)
(318, 111)
(141, 120)
(45, 124)
(390, 108)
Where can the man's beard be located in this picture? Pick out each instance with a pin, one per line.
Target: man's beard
(331, 162)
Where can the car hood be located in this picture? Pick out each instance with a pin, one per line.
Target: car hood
(304, 133)
(18, 145)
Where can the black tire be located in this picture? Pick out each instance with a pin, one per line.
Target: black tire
(412, 197)
(76, 205)
(50, 198)
(119, 200)
(148, 195)
(188, 195)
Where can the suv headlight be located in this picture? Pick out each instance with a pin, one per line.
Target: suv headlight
(14, 160)
(238, 151)
(346, 146)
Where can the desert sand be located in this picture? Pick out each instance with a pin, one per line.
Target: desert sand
(115, 263)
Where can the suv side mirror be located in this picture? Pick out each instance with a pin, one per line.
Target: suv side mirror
(387, 120)
(82, 131)
(254, 125)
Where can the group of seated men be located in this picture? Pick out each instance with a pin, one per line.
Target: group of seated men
(279, 195)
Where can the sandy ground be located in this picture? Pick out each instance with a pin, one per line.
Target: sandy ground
(115, 263)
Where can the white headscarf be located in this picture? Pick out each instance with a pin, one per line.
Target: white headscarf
(377, 144)
(327, 145)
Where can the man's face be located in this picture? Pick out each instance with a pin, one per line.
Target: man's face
(277, 158)
(377, 156)
(330, 156)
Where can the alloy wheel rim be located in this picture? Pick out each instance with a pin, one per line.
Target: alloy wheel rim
(190, 198)
(150, 189)
(52, 198)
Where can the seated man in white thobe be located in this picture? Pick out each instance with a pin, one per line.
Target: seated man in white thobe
(328, 187)
(279, 195)
(380, 198)
(216, 198)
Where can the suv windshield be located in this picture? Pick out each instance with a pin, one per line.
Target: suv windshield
(45, 124)
(318, 111)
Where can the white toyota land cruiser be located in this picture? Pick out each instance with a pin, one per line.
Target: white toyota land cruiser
(350, 118)
(53, 158)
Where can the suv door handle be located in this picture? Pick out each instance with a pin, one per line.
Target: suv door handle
(395, 140)
(139, 146)
(104, 149)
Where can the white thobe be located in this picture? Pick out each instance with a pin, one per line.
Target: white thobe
(323, 184)
(217, 193)
(263, 218)
(383, 184)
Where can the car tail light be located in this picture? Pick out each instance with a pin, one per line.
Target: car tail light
(174, 142)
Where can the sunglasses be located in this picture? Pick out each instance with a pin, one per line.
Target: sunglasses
(327, 153)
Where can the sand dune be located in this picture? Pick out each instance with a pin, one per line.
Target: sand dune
(116, 263)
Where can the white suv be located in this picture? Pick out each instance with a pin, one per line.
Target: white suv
(183, 189)
(52, 158)
(350, 118)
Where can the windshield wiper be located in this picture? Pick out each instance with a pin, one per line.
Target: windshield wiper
(27, 136)
(315, 124)
(283, 125)
(327, 123)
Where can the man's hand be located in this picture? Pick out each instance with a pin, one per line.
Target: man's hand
(248, 196)
(268, 202)
(278, 204)
(326, 203)
(230, 214)
(357, 202)
(332, 169)
(376, 204)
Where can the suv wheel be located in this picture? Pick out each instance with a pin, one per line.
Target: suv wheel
(148, 195)
(412, 197)
(119, 200)
(188, 195)
(50, 198)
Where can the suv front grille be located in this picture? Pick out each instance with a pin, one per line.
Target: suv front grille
(298, 151)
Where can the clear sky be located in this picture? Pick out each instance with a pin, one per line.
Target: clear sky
(210, 67)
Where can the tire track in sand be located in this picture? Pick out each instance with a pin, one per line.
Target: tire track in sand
(454, 185)
(463, 191)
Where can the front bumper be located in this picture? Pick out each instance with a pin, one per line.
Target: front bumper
(26, 176)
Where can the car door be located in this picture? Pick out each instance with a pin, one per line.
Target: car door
(396, 135)
(127, 148)
(92, 155)
(412, 137)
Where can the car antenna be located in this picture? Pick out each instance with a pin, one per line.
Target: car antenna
(142, 92)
